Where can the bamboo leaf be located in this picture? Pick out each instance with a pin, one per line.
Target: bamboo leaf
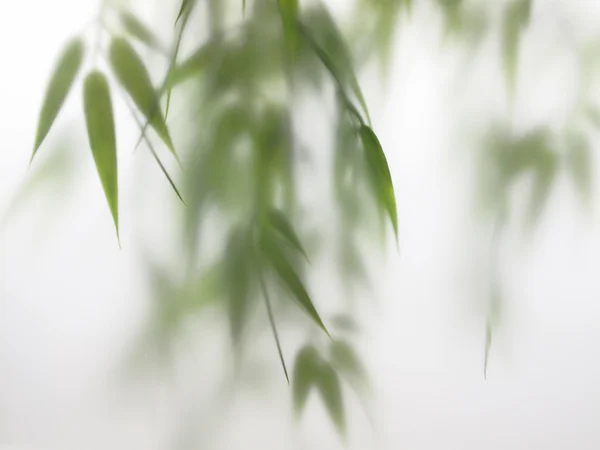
(101, 134)
(347, 362)
(516, 18)
(281, 224)
(137, 29)
(186, 6)
(328, 384)
(381, 177)
(133, 76)
(579, 164)
(193, 65)
(288, 9)
(289, 277)
(306, 372)
(61, 81)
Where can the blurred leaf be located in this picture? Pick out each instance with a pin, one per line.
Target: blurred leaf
(579, 164)
(380, 172)
(544, 175)
(306, 372)
(347, 362)
(452, 13)
(322, 34)
(65, 72)
(281, 225)
(193, 65)
(101, 133)
(238, 265)
(186, 6)
(289, 277)
(344, 322)
(289, 18)
(593, 114)
(516, 18)
(134, 78)
(139, 30)
(328, 384)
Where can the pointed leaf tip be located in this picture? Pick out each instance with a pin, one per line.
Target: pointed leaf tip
(61, 81)
(101, 135)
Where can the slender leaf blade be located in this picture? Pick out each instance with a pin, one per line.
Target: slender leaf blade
(133, 76)
(61, 81)
(101, 135)
(328, 384)
(306, 372)
(282, 225)
(140, 31)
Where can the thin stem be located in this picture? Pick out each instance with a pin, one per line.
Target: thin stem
(273, 326)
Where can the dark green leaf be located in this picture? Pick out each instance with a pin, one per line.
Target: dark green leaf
(306, 372)
(288, 275)
(101, 133)
(381, 177)
(134, 78)
(139, 30)
(289, 18)
(65, 72)
(280, 224)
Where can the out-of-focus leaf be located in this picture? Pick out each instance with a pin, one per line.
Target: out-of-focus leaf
(452, 10)
(101, 134)
(193, 65)
(186, 6)
(492, 320)
(65, 72)
(328, 385)
(579, 164)
(516, 18)
(347, 362)
(306, 372)
(344, 322)
(133, 76)
(239, 281)
(289, 18)
(544, 173)
(382, 179)
(281, 224)
(137, 29)
(593, 114)
(289, 277)
(322, 34)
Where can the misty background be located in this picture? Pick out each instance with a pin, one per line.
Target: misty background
(72, 303)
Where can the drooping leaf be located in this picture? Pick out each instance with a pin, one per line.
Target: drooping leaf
(579, 164)
(322, 34)
(328, 385)
(516, 18)
(306, 372)
(137, 29)
(347, 362)
(101, 134)
(281, 224)
(65, 72)
(185, 8)
(289, 277)
(544, 175)
(133, 76)
(239, 282)
(288, 9)
(193, 65)
(380, 174)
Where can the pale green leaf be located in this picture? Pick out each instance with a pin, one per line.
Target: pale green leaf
(347, 362)
(579, 164)
(137, 29)
(185, 8)
(306, 372)
(381, 177)
(133, 76)
(289, 277)
(288, 9)
(328, 385)
(193, 65)
(65, 72)
(516, 18)
(281, 224)
(101, 134)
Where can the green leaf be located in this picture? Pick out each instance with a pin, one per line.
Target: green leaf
(193, 65)
(381, 177)
(328, 384)
(288, 275)
(516, 18)
(344, 322)
(322, 34)
(347, 362)
(579, 164)
(186, 6)
(133, 76)
(281, 224)
(306, 372)
(288, 9)
(65, 72)
(239, 281)
(137, 29)
(101, 134)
